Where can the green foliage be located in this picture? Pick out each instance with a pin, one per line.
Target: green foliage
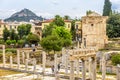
(58, 21)
(8, 42)
(48, 30)
(116, 59)
(66, 17)
(64, 35)
(1, 41)
(51, 42)
(113, 27)
(13, 35)
(73, 31)
(13, 41)
(11, 50)
(107, 8)
(20, 42)
(33, 39)
(89, 12)
(23, 29)
(6, 34)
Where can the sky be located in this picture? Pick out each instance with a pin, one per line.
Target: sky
(50, 8)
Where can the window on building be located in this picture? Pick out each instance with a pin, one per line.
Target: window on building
(92, 24)
(68, 25)
(15, 27)
(77, 27)
(4, 26)
(10, 27)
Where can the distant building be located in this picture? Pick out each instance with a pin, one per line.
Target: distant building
(2, 26)
(92, 29)
(47, 22)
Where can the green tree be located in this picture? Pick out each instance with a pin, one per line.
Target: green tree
(113, 27)
(28, 28)
(23, 29)
(66, 17)
(48, 30)
(6, 34)
(12, 34)
(21, 42)
(116, 59)
(89, 12)
(33, 38)
(73, 31)
(64, 35)
(58, 21)
(107, 8)
(8, 42)
(52, 42)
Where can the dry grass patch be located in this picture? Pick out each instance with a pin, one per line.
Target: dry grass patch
(7, 72)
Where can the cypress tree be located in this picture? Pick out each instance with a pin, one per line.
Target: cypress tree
(107, 8)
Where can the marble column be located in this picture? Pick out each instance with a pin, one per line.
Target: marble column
(18, 59)
(78, 44)
(4, 60)
(27, 54)
(23, 57)
(26, 64)
(103, 67)
(63, 56)
(66, 63)
(100, 69)
(55, 63)
(11, 62)
(118, 72)
(77, 66)
(43, 61)
(72, 70)
(90, 68)
(34, 64)
(83, 70)
(93, 69)
(56, 67)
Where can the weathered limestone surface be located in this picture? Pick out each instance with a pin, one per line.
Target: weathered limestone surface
(11, 62)
(26, 64)
(23, 57)
(72, 70)
(118, 72)
(43, 61)
(18, 59)
(103, 67)
(4, 60)
(83, 70)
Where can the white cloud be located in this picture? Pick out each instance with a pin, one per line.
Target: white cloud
(115, 1)
(6, 13)
(55, 2)
(45, 14)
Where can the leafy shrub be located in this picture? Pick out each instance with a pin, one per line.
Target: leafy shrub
(116, 59)
(11, 50)
(8, 42)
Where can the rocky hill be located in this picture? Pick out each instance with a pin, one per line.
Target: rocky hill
(24, 15)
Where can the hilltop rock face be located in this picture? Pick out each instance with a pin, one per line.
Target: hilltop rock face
(23, 15)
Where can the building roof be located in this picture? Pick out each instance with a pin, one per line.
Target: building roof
(94, 14)
(51, 20)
